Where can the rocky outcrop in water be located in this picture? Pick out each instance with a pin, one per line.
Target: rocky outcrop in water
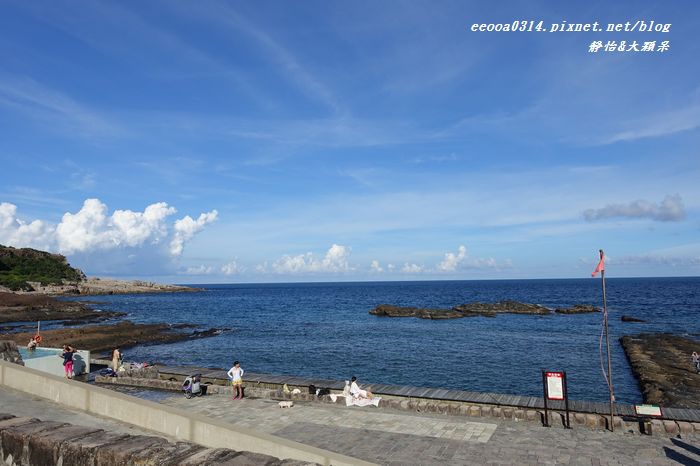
(631, 319)
(475, 310)
(578, 309)
(663, 366)
(501, 307)
(387, 310)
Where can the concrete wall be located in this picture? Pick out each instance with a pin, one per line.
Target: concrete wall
(163, 419)
(53, 364)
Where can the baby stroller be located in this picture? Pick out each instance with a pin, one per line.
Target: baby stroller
(192, 386)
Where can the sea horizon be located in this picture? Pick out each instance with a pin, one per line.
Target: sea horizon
(436, 280)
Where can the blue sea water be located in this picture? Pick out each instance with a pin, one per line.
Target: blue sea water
(323, 330)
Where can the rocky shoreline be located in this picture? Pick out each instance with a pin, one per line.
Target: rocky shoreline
(124, 334)
(95, 286)
(16, 307)
(80, 322)
(477, 309)
(662, 364)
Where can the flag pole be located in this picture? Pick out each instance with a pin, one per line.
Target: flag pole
(607, 343)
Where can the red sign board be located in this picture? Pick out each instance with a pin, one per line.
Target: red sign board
(555, 385)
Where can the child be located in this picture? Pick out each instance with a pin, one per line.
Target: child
(31, 346)
(235, 374)
(68, 361)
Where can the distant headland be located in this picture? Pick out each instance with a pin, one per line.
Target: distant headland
(26, 270)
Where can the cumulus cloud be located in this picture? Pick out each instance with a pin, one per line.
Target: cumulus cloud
(412, 268)
(16, 232)
(232, 268)
(376, 267)
(261, 268)
(187, 227)
(452, 261)
(670, 209)
(461, 261)
(92, 229)
(335, 260)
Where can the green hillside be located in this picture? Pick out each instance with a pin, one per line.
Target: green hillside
(20, 266)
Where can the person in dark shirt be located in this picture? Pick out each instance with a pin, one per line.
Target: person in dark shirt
(68, 361)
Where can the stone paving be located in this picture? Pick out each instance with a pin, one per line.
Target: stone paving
(400, 438)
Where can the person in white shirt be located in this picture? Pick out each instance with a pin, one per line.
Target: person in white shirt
(235, 374)
(357, 392)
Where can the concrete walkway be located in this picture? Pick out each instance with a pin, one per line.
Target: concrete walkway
(23, 405)
(400, 438)
(397, 437)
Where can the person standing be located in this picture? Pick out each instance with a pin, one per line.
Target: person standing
(116, 359)
(696, 362)
(235, 374)
(68, 361)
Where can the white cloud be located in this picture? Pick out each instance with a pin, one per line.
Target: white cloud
(335, 260)
(187, 227)
(16, 232)
(453, 261)
(135, 227)
(199, 270)
(671, 209)
(261, 268)
(232, 268)
(376, 267)
(93, 229)
(461, 261)
(412, 268)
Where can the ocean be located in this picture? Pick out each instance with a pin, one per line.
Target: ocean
(323, 330)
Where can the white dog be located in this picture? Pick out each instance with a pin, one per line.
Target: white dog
(286, 404)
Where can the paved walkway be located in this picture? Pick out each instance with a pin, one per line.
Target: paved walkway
(400, 438)
(22, 404)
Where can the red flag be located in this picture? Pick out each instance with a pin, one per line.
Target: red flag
(601, 265)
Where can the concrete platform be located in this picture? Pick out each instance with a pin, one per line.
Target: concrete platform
(427, 393)
(399, 438)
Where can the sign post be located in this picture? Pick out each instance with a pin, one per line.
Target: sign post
(645, 413)
(554, 386)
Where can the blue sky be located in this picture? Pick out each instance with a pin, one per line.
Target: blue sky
(259, 142)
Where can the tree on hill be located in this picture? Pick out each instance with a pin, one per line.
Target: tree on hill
(18, 267)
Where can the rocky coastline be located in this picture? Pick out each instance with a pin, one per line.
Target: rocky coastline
(84, 327)
(124, 334)
(15, 307)
(477, 309)
(662, 364)
(95, 286)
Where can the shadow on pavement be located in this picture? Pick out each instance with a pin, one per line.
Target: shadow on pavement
(680, 457)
